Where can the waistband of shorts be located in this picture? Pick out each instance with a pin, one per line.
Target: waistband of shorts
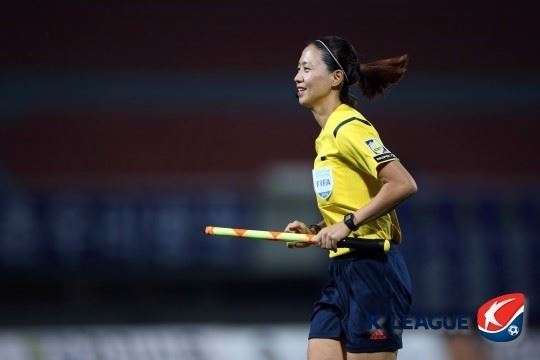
(358, 254)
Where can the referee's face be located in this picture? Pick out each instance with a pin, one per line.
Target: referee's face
(313, 80)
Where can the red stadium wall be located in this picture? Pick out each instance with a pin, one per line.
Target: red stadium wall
(75, 149)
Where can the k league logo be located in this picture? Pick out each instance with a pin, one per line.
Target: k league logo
(501, 319)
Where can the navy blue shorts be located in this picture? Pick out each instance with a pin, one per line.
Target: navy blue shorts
(363, 291)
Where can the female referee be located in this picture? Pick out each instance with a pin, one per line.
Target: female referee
(358, 183)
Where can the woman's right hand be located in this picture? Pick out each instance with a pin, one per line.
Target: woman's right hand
(298, 227)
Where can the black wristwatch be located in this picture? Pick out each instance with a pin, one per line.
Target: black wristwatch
(349, 221)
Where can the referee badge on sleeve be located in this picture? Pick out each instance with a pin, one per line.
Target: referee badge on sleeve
(323, 182)
(380, 152)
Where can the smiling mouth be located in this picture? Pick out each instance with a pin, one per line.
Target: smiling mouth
(300, 91)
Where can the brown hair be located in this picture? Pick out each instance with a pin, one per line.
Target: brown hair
(373, 78)
(377, 76)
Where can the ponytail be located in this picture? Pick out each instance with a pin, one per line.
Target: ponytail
(376, 77)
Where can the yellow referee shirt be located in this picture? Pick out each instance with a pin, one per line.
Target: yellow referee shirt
(349, 151)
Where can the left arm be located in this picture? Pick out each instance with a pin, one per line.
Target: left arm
(397, 185)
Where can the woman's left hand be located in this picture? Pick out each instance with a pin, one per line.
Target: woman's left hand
(329, 236)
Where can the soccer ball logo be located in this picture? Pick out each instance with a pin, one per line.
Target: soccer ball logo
(513, 330)
(501, 319)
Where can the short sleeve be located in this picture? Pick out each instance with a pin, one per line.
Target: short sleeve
(361, 146)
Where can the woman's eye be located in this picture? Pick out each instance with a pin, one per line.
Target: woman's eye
(306, 69)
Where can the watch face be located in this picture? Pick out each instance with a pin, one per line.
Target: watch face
(349, 221)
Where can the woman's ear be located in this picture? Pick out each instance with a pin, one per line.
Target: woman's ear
(337, 78)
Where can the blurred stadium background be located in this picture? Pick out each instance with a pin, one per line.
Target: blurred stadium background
(126, 127)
